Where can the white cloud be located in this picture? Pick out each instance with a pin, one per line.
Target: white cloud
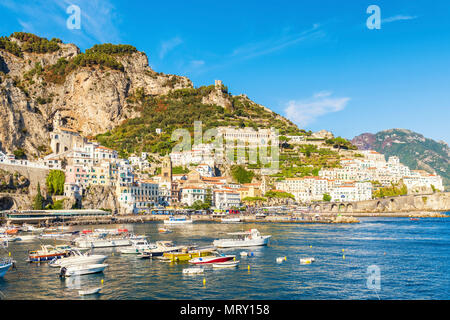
(398, 18)
(304, 112)
(168, 45)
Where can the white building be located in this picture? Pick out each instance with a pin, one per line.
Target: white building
(191, 194)
(226, 199)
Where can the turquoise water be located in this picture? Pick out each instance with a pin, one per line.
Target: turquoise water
(413, 258)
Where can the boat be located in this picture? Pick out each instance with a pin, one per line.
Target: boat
(79, 270)
(5, 264)
(164, 230)
(31, 228)
(45, 236)
(89, 291)
(231, 220)
(47, 253)
(177, 220)
(227, 264)
(281, 259)
(193, 270)
(244, 239)
(307, 260)
(102, 241)
(30, 237)
(414, 219)
(161, 248)
(260, 216)
(187, 254)
(75, 257)
(138, 246)
(212, 259)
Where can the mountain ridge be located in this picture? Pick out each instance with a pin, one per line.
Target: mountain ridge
(413, 149)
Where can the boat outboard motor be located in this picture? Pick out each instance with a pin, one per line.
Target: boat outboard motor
(62, 273)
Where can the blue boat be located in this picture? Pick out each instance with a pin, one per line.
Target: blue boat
(5, 264)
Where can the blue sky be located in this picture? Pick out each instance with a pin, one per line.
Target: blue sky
(315, 62)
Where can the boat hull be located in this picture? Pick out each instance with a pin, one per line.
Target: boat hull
(48, 257)
(178, 256)
(228, 264)
(209, 260)
(103, 243)
(65, 262)
(232, 243)
(75, 271)
(4, 269)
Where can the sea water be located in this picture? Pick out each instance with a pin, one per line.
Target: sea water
(411, 259)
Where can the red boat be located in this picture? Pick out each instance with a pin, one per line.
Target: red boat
(413, 219)
(211, 259)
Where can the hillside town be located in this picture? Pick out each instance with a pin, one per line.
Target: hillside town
(87, 163)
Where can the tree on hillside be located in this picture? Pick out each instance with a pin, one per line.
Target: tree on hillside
(55, 182)
(38, 202)
(241, 175)
(326, 197)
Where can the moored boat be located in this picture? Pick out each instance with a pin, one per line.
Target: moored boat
(212, 259)
(5, 264)
(79, 270)
(75, 257)
(161, 248)
(177, 220)
(226, 264)
(47, 253)
(230, 220)
(164, 230)
(187, 255)
(102, 241)
(89, 291)
(244, 239)
(138, 246)
(196, 270)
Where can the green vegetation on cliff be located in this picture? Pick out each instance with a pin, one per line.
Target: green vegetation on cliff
(55, 182)
(178, 110)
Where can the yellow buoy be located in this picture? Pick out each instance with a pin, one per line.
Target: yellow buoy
(310, 246)
(343, 256)
(234, 259)
(204, 281)
(101, 282)
(9, 253)
(248, 267)
(285, 258)
(342, 250)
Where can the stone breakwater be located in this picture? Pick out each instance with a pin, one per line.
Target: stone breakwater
(244, 218)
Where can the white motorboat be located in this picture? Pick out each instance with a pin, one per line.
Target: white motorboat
(138, 246)
(231, 220)
(75, 257)
(30, 237)
(5, 264)
(227, 264)
(243, 239)
(79, 270)
(31, 228)
(193, 270)
(45, 236)
(102, 241)
(89, 291)
(177, 220)
(161, 248)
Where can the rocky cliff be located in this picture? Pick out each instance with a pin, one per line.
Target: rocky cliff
(88, 94)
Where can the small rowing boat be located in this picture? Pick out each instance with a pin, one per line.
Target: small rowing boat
(89, 291)
(193, 270)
